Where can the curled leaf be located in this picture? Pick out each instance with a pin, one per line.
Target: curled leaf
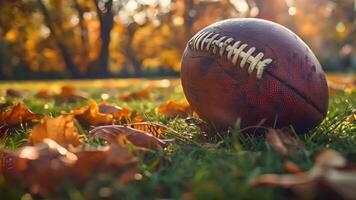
(331, 175)
(117, 112)
(92, 116)
(60, 129)
(137, 137)
(174, 109)
(283, 141)
(16, 115)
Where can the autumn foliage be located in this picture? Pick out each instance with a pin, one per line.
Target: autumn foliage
(97, 137)
(102, 38)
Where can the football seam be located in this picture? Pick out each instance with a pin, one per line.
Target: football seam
(296, 91)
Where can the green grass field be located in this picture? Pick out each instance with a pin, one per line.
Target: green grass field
(192, 167)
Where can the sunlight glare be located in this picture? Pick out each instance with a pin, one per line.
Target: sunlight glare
(340, 27)
(240, 5)
(29, 153)
(292, 11)
(131, 6)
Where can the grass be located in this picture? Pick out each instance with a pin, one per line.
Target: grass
(213, 168)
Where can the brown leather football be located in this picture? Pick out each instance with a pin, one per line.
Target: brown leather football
(253, 70)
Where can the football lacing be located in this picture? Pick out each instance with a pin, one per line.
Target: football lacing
(209, 41)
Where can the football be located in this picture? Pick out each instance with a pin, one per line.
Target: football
(255, 71)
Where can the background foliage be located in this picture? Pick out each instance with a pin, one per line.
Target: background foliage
(105, 38)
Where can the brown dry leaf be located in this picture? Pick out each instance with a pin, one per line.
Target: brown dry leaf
(117, 112)
(331, 176)
(137, 137)
(43, 94)
(154, 129)
(14, 93)
(16, 115)
(70, 94)
(44, 168)
(283, 141)
(142, 94)
(60, 129)
(174, 109)
(92, 116)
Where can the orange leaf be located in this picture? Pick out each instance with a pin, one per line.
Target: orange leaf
(173, 109)
(292, 167)
(341, 83)
(154, 129)
(143, 94)
(16, 115)
(137, 137)
(60, 129)
(92, 116)
(117, 112)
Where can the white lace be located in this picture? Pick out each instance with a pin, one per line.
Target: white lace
(209, 41)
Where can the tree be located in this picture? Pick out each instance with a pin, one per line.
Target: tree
(74, 73)
(106, 19)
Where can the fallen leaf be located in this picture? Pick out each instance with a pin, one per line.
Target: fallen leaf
(16, 115)
(142, 94)
(283, 141)
(292, 167)
(70, 94)
(154, 129)
(137, 137)
(14, 93)
(92, 116)
(61, 129)
(45, 167)
(337, 83)
(174, 109)
(117, 112)
(43, 94)
(331, 176)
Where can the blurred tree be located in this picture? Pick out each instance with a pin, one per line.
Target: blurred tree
(80, 38)
(74, 72)
(106, 19)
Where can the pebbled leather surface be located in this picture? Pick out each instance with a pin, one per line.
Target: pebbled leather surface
(292, 91)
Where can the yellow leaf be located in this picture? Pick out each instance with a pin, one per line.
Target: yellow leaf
(173, 109)
(92, 116)
(60, 129)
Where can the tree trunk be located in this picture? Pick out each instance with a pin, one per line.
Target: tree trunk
(83, 36)
(131, 55)
(62, 48)
(106, 19)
